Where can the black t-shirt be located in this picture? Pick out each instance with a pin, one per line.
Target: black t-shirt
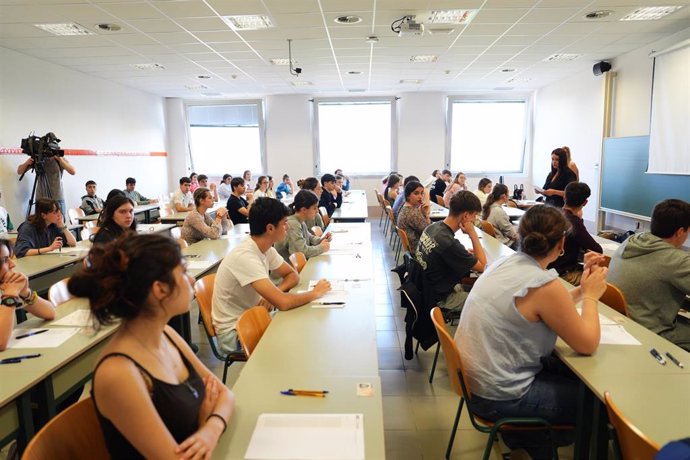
(329, 202)
(234, 205)
(443, 258)
(559, 184)
(577, 242)
(439, 189)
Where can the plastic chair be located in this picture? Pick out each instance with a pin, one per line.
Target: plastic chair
(203, 289)
(379, 199)
(388, 220)
(614, 298)
(324, 215)
(462, 388)
(58, 293)
(176, 233)
(86, 232)
(298, 260)
(628, 441)
(73, 213)
(316, 230)
(75, 433)
(440, 201)
(404, 242)
(251, 327)
(488, 228)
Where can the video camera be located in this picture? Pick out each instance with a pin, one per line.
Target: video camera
(40, 148)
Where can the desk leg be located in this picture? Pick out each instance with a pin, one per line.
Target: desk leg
(600, 435)
(26, 422)
(583, 429)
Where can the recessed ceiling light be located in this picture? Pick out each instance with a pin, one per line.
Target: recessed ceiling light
(423, 58)
(301, 83)
(448, 16)
(149, 66)
(507, 70)
(410, 82)
(203, 77)
(650, 13)
(65, 29)
(562, 57)
(354, 72)
(349, 19)
(282, 61)
(107, 27)
(372, 39)
(248, 22)
(599, 14)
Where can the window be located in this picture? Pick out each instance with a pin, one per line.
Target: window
(486, 136)
(226, 138)
(356, 136)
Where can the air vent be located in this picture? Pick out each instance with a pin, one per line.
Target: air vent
(150, 66)
(562, 57)
(65, 29)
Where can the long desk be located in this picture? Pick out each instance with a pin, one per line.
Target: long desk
(57, 373)
(177, 218)
(353, 209)
(437, 212)
(145, 214)
(326, 348)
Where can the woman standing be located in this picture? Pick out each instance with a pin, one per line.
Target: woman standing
(560, 176)
(457, 185)
(299, 239)
(413, 217)
(509, 326)
(153, 396)
(493, 212)
(198, 225)
(43, 231)
(117, 218)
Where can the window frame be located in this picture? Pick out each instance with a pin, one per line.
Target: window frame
(527, 143)
(262, 129)
(354, 100)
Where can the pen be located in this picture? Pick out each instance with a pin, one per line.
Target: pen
(314, 393)
(18, 359)
(675, 361)
(330, 303)
(29, 334)
(657, 356)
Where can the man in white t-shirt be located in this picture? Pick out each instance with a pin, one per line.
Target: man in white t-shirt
(242, 280)
(182, 198)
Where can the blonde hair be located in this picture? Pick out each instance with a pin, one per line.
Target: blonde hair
(567, 153)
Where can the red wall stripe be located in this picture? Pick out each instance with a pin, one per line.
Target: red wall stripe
(86, 152)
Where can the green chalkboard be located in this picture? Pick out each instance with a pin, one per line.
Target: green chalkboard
(626, 187)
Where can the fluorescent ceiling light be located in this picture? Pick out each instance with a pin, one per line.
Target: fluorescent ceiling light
(149, 66)
(197, 87)
(410, 82)
(65, 29)
(562, 57)
(301, 83)
(447, 16)
(650, 13)
(248, 22)
(423, 58)
(282, 61)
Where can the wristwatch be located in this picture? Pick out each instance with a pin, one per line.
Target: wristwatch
(11, 301)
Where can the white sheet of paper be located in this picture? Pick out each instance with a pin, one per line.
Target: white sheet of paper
(336, 294)
(80, 318)
(193, 264)
(538, 190)
(51, 339)
(603, 320)
(77, 250)
(610, 246)
(307, 437)
(616, 335)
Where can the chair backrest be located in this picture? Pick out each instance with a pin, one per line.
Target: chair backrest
(385, 202)
(614, 298)
(488, 228)
(203, 290)
(73, 213)
(86, 232)
(379, 197)
(452, 354)
(251, 327)
(316, 230)
(166, 209)
(58, 293)
(298, 260)
(439, 200)
(391, 215)
(325, 216)
(404, 239)
(182, 243)
(75, 433)
(176, 233)
(631, 441)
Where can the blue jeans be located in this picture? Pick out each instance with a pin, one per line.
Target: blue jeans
(551, 396)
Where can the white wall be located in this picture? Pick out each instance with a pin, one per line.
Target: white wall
(86, 113)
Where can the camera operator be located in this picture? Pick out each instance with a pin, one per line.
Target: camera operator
(52, 187)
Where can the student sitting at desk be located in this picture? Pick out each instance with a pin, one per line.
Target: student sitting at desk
(390, 193)
(154, 398)
(439, 187)
(262, 190)
(413, 217)
(90, 203)
(198, 225)
(509, 326)
(194, 182)
(346, 180)
(16, 293)
(457, 185)
(312, 183)
(483, 189)
(224, 189)
(117, 218)
(578, 240)
(653, 271)
(444, 260)
(329, 199)
(136, 197)
(400, 199)
(203, 182)
(43, 231)
(182, 199)
(238, 207)
(285, 188)
(304, 208)
(243, 279)
(560, 176)
(493, 212)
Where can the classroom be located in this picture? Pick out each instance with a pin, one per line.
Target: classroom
(141, 89)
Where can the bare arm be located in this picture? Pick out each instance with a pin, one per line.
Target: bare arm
(6, 324)
(69, 237)
(284, 300)
(21, 169)
(66, 165)
(477, 247)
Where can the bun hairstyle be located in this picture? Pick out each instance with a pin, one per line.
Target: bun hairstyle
(540, 230)
(118, 276)
(303, 199)
(310, 183)
(495, 195)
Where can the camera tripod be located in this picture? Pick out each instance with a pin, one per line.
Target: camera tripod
(39, 168)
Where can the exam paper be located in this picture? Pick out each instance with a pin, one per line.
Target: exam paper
(603, 320)
(77, 250)
(193, 264)
(53, 338)
(307, 437)
(610, 246)
(616, 335)
(337, 295)
(76, 318)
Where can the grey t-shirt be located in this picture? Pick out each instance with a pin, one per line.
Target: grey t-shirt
(52, 186)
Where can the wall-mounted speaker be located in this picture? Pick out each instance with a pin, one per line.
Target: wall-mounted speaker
(601, 67)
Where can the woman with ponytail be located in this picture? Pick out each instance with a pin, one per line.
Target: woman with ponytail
(509, 326)
(154, 398)
(493, 212)
(304, 208)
